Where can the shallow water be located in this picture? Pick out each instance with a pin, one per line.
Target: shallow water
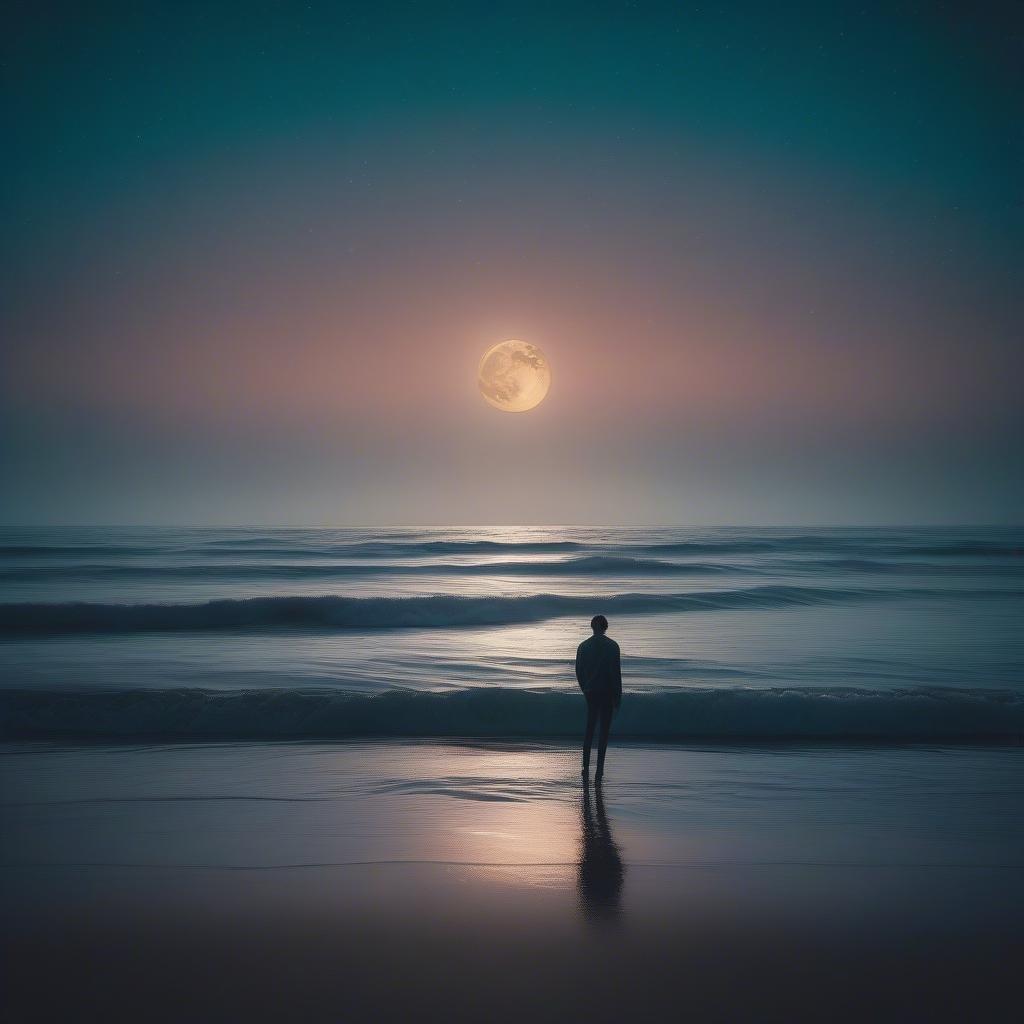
(245, 805)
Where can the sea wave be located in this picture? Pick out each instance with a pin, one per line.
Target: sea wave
(738, 713)
(288, 547)
(878, 567)
(411, 546)
(72, 550)
(435, 611)
(881, 547)
(591, 565)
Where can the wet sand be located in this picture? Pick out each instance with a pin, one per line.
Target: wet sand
(387, 881)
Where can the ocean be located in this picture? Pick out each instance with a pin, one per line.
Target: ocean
(328, 633)
(326, 775)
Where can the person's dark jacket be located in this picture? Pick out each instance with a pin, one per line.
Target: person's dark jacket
(598, 669)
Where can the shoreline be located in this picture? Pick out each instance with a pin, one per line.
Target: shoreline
(552, 740)
(479, 880)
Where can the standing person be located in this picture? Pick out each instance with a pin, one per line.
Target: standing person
(600, 677)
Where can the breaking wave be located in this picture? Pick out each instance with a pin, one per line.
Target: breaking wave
(300, 544)
(593, 565)
(436, 611)
(927, 713)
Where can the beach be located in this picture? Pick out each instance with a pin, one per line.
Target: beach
(334, 774)
(480, 880)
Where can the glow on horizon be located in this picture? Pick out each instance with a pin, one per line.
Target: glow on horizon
(254, 285)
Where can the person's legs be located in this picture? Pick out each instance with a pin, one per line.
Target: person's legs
(602, 740)
(588, 736)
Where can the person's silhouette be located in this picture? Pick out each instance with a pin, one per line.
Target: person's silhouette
(599, 674)
(601, 872)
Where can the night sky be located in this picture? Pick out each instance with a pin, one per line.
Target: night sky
(252, 254)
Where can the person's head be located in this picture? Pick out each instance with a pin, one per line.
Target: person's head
(599, 624)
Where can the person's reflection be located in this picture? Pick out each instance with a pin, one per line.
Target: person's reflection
(601, 872)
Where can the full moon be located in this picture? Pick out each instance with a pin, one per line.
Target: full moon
(514, 376)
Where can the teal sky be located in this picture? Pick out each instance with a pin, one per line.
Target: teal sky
(772, 252)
